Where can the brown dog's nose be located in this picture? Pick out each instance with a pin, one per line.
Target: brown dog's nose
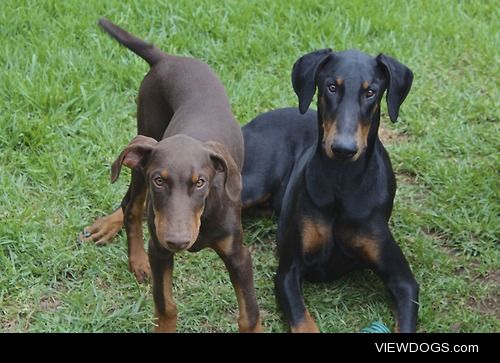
(177, 245)
(343, 149)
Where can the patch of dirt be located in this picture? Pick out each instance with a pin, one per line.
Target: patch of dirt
(436, 235)
(442, 242)
(410, 188)
(207, 328)
(492, 278)
(406, 178)
(101, 283)
(9, 326)
(49, 303)
(490, 304)
(14, 324)
(389, 136)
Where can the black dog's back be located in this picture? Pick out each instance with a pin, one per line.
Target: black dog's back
(269, 160)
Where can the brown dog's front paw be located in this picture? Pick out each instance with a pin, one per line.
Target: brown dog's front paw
(103, 230)
(257, 328)
(140, 267)
(166, 327)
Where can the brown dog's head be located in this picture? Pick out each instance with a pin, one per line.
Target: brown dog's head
(350, 87)
(180, 173)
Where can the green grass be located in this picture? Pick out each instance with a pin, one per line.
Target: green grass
(67, 107)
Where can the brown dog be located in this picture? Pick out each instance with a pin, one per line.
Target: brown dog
(186, 163)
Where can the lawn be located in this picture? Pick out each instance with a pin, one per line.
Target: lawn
(67, 108)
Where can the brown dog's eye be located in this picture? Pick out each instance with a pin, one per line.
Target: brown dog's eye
(200, 183)
(332, 88)
(158, 181)
(370, 93)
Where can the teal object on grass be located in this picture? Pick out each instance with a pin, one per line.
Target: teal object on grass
(376, 327)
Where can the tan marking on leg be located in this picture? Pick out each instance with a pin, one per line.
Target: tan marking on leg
(368, 247)
(167, 320)
(239, 264)
(243, 319)
(396, 327)
(225, 245)
(314, 235)
(307, 325)
(138, 259)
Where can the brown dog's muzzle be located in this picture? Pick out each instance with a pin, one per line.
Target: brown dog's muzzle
(177, 237)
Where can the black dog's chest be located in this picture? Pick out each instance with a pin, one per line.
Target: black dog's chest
(331, 261)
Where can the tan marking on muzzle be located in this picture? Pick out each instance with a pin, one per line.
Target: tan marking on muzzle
(329, 129)
(195, 226)
(329, 133)
(361, 139)
(161, 227)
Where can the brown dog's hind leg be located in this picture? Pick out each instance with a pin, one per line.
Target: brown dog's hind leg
(162, 266)
(103, 229)
(238, 262)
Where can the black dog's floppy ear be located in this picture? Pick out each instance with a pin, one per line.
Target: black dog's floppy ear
(134, 155)
(304, 74)
(400, 80)
(223, 162)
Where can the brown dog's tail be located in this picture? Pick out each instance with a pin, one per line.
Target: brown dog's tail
(146, 51)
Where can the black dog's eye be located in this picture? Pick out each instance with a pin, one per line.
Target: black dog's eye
(200, 183)
(370, 93)
(158, 181)
(332, 88)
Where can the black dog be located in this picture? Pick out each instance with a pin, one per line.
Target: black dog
(330, 179)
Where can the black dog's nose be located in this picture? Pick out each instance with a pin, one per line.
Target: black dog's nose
(177, 245)
(344, 150)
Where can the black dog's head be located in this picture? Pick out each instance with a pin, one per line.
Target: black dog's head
(350, 87)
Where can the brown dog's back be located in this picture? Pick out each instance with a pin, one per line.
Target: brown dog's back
(181, 95)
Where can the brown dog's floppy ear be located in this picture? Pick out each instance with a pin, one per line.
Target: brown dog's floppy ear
(400, 79)
(134, 155)
(304, 74)
(224, 162)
